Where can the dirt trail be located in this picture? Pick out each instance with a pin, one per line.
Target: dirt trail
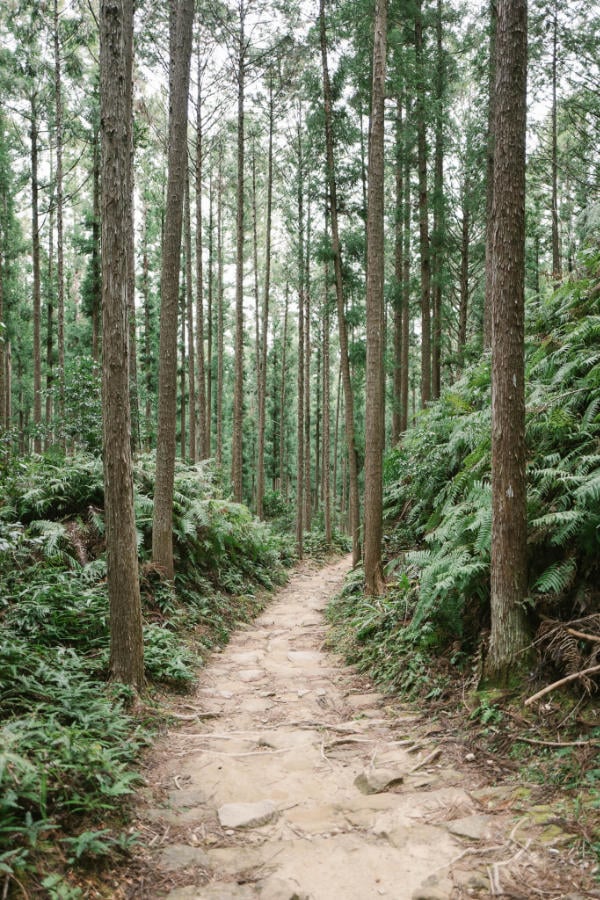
(289, 779)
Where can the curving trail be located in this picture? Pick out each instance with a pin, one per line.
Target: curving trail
(291, 780)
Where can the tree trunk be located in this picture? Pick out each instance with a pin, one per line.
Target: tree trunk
(398, 274)
(147, 363)
(203, 437)
(423, 211)
(162, 532)
(96, 298)
(60, 276)
(438, 237)
(301, 348)
(339, 286)
(326, 413)
(116, 58)
(375, 395)
(220, 311)
(307, 359)
(182, 379)
(509, 634)
(37, 297)
(464, 271)
(556, 260)
(189, 318)
(404, 374)
(209, 323)
(262, 391)
(489, 192)
(282, 396)
(48, 438)
(238, 386)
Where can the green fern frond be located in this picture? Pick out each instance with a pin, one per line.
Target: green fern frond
(557, 578)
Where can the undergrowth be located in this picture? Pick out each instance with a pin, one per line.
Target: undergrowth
(435, 613)
(68, 741)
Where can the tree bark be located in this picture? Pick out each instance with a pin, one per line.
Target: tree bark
(509, 634)
(189, 318)
(116, 59)
(162, 532)
(301, 348)
(556, 260)
(489, 191)
(423, 211)
(404, 373)
(220, 312)
(37, 297)
(238, 386)
(60, 274)
(339, 287)
(398, 273)
(262, 391)
(374, 400)
(203, 437)
(438, 208)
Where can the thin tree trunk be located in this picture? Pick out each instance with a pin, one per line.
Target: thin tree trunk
(147, 335)
(257, 326)
(37, 300)
(282, 396)
(336, 442)
(203, 436)
(489, 191)
(301, 349)
(116, 59)
(307, 360)
(423, 211)
(209, 322)
(464, 271)
(182, 369)
(375, 395)
(162, 532)
(398, 274)
(60, 276)
(238, 386)
(509, 636)
(96, 298)
(220, 311)
(189, 293)
(438, 210)
(50, 328)
(262, 392)
(343, 333)
(326, 414)
(556, 260)
(404, 366)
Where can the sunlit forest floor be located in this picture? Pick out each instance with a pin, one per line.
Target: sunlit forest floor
(287, 775)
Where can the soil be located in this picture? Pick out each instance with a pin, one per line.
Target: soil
(289, 777)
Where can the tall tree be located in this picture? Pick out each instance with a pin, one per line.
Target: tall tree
(116, 88)
(420, 112)
(375, 399)
(238, 385)
(339, 290)
(162, 531)
(509, 635)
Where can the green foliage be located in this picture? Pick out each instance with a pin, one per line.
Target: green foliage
(67, 743)
(438, 498)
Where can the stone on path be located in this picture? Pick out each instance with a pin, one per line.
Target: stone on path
(180, 856)
(475, 827)
(247, 815)
(376, 781)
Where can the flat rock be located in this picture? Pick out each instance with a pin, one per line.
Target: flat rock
(247, 815)
(434, 888)
(249, 675)
(475, 827)
(180, 856)
(280, 889)
(376, 781)
(229, 891)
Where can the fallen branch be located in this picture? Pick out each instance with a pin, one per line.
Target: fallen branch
(557, 684)
(526, 740)
(429, 758)
(583, 636)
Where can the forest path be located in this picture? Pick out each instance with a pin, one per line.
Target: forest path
(256, 796)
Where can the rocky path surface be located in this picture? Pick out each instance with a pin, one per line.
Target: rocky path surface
(291, 780)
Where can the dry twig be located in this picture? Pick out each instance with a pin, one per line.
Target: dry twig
(556, 684)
